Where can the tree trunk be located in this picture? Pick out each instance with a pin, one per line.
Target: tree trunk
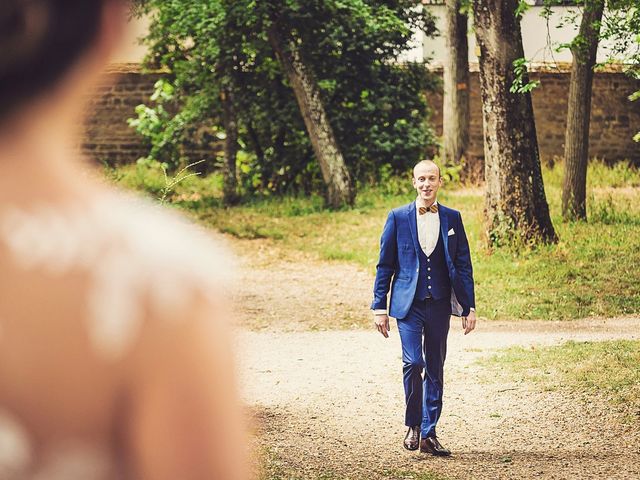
(455, 127)
(516, 207)
(576, 137)
(332, 164)
(230, 179)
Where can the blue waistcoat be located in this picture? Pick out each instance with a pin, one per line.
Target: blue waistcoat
(433, 277)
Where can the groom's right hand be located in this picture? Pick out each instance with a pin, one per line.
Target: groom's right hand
(382, 324)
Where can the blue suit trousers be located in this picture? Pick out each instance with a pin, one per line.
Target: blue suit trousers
(423, 333)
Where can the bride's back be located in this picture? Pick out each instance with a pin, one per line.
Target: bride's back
(115, 358)
(104, 309)
(58, 398)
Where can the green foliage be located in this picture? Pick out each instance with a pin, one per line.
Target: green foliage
(522, 7)
(376, 106)
(618, 30)
(634, 97)
(582, 276)
(172, 137)
(146, 176)
(389, 183)
(451, 173)
(608, 213)
(185, 189)
(521, 84)
(600, 175)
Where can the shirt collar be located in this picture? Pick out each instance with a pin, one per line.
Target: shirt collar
(421, 203)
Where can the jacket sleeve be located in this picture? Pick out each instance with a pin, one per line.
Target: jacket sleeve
(464, 271)
(386, 264)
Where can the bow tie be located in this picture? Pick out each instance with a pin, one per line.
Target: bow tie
(433, 209)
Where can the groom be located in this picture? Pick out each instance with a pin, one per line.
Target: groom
(425, 249)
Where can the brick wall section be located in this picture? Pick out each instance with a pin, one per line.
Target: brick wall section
(614, 119)
(108, 137)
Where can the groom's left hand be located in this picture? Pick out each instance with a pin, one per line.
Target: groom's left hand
(469, 322)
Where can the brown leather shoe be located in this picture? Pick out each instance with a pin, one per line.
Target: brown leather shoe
(412, 439)
(434, 447)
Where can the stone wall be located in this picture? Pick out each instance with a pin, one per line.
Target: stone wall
(614, 119)
(108, 138)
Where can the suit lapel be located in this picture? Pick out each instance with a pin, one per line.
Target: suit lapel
(413, 225)
(444, 228)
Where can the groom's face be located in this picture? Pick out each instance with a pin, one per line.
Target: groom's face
(427, 181)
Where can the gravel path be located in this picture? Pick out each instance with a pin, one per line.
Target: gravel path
(329, 404)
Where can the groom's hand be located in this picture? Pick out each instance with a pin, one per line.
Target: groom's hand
(382, 324)
(469, 322)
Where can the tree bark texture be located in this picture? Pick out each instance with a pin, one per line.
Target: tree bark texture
(455, 127)
(576, 138)
(340, 190)
(516, 207)
(230, 179)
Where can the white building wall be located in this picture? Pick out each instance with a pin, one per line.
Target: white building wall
(540, 37)
(539, 40)
(130, 50)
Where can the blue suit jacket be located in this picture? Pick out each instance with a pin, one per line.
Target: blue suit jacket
(399, 247)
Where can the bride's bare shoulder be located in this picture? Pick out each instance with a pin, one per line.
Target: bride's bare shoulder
(137, 296)
(139, 260)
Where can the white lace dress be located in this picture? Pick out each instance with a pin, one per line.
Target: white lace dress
(129, 249)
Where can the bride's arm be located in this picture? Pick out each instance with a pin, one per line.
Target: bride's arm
(184, 417)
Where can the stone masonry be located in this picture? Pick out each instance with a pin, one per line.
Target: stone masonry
(614, 119)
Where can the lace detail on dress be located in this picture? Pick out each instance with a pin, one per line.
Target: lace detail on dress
(65, 461)
(131, 249)
(15, 448)
(76, 461)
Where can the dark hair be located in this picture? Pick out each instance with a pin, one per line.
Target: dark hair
(39, 41)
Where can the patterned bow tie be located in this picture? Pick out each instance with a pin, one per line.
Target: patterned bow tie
(433, 209)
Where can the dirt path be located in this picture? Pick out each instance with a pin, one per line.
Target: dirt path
(329, 404)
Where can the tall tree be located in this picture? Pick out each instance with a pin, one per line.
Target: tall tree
(337, 54)
(455, 112)
(340, 190)
(230, 122)
(516, 205)
(576, 139)
(619, 28)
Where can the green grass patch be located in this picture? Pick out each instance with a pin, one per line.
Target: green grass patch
(592, 271)
(611, 368)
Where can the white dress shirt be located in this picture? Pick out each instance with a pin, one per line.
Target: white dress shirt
(428, 228)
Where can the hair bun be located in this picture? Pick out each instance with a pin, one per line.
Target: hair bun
(23, 24)
(39, 41)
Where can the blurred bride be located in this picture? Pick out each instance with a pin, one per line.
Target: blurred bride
(115, 360)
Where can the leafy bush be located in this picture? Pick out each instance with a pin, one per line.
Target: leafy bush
(377, 107)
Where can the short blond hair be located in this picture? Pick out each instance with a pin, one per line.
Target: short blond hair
(426, 161)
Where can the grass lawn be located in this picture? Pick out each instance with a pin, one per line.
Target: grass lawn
(610, 368)
(593, 271)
